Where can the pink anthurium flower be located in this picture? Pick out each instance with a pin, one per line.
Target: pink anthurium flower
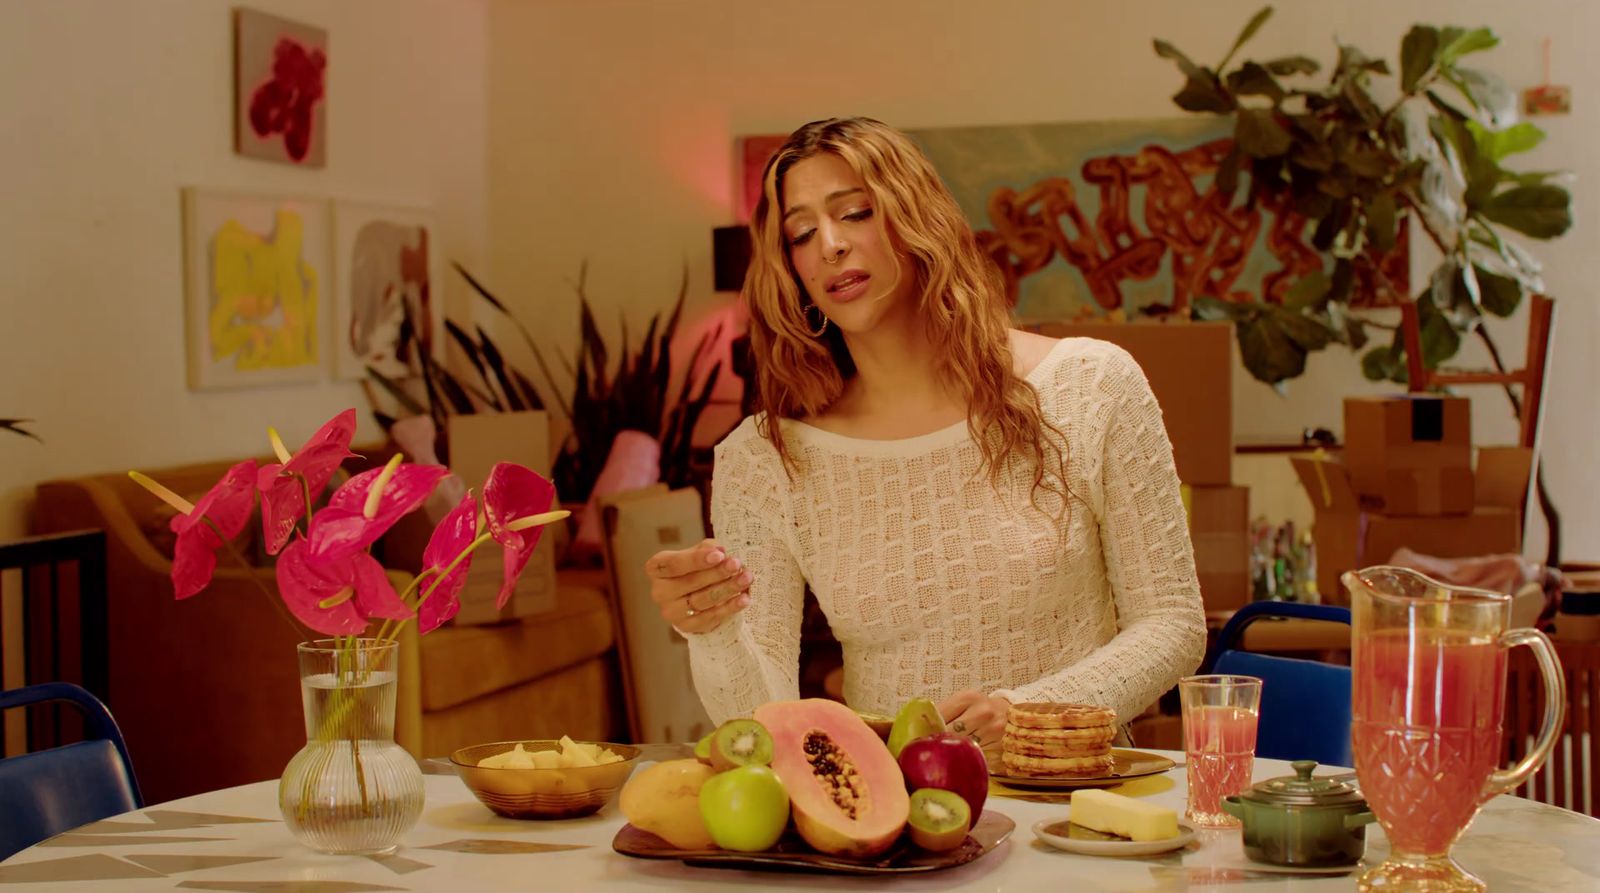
(453, 537)
(367, 505)
(336, 597)
(227, 505)
(516, 502)
(283, 496)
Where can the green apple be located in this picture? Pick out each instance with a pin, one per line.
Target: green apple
(745, 809)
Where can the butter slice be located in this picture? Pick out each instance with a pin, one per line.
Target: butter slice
(1111, 813)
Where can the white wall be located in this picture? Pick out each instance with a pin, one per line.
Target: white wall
(107, 109)
(612, 127)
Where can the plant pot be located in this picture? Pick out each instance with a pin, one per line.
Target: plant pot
(351, 789)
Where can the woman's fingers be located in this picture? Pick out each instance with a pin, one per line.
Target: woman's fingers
(711, 618)
(709, 597)
(670, 564)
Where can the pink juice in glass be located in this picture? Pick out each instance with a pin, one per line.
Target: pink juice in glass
(1221, 746)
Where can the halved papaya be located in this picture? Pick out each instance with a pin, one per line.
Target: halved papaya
(846, 791)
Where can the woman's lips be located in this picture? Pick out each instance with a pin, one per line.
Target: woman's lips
(849, 285)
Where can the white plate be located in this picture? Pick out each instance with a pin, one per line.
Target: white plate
(1054, 832)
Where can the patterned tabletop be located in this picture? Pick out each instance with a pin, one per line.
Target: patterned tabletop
(233, 840)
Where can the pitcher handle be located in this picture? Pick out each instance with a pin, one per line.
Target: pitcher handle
(1555, 705)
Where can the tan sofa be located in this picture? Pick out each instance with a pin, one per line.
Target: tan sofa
(207, 690)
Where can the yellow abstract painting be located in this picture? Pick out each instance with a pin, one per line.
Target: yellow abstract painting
(257, 281)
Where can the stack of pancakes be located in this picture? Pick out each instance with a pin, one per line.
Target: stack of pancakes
(1058, 740)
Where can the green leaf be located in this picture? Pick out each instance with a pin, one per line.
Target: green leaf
(1476, 40)
(1542, 212)
(1488, 93)
(1499, 295)
(1310, 292)
(1268, 352)
(1259, 134)
(1353, 62)
(1445, 107)
(1201, 94)
(1355, 333)
(1253, 80)
(1382, 364)
(1167, 51)
(1381, 221)
(1250, 29)
(1440, 340)
(1361, 102)
(1290, 65)
(1214, 309)
(1417, 52)
(15, 427)
(1307, 333)
(1368, 162)
(1499, 144)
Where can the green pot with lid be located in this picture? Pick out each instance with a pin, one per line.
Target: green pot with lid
(1302, 820)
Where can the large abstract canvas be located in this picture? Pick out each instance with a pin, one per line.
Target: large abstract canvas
(256, 274)
(281, 89)
(387, 269)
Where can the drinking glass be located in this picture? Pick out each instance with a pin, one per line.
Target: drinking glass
(1219, 736)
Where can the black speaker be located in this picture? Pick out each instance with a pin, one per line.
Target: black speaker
(730, 256)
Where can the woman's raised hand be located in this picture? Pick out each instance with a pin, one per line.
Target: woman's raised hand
(698, 588)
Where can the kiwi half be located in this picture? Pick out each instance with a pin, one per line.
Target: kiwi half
(938, 819)
(740, 742)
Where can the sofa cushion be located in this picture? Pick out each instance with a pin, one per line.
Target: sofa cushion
(460, 663)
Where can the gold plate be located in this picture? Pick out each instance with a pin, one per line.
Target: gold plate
(1128, 764)
(794, 854)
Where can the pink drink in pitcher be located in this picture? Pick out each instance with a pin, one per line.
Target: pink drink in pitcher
(1221, 746)
(1427, 730)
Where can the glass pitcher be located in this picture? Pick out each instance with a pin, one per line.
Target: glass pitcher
(1429, 667)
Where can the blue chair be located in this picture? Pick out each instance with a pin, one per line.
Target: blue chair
(1305, 704)
(50, 791)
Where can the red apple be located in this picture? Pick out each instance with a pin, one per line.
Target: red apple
(950, 762)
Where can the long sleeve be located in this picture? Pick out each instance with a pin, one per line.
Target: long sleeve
(1149, 561)
(753, 657)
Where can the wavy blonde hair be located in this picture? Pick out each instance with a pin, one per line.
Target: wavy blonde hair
(959, 294)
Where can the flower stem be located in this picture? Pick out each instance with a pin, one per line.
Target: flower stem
(441, 575)
(251, 572)
(305, 490)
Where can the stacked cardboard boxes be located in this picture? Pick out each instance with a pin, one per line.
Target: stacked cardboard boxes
(1407, 480)
(1190, 368)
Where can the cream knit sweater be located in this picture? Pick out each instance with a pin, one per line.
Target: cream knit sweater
(934, 580)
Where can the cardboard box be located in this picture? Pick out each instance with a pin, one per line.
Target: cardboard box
(1190, 368)
(1349, 536)
(1219, 528)
(1410, 455)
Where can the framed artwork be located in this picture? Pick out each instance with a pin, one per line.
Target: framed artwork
(255, 275)
(280, 89)
(386, 267)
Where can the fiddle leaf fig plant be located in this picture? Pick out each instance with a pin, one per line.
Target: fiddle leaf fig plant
(1358, 156)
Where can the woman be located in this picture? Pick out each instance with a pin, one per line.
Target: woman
(986, 516)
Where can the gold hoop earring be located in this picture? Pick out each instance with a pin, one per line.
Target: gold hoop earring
(815, 333)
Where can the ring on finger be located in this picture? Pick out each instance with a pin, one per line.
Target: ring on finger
(690, 613)
(958, 727)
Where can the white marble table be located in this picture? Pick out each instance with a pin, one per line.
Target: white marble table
(233, 840)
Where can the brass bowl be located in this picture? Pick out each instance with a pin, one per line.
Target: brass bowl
(543, 793)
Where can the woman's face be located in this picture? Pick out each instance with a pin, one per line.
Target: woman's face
(849, 268)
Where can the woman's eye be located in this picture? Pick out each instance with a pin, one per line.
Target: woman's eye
(801, 238)
(857, 216)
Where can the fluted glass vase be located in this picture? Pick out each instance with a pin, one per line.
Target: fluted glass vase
(351, 789)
